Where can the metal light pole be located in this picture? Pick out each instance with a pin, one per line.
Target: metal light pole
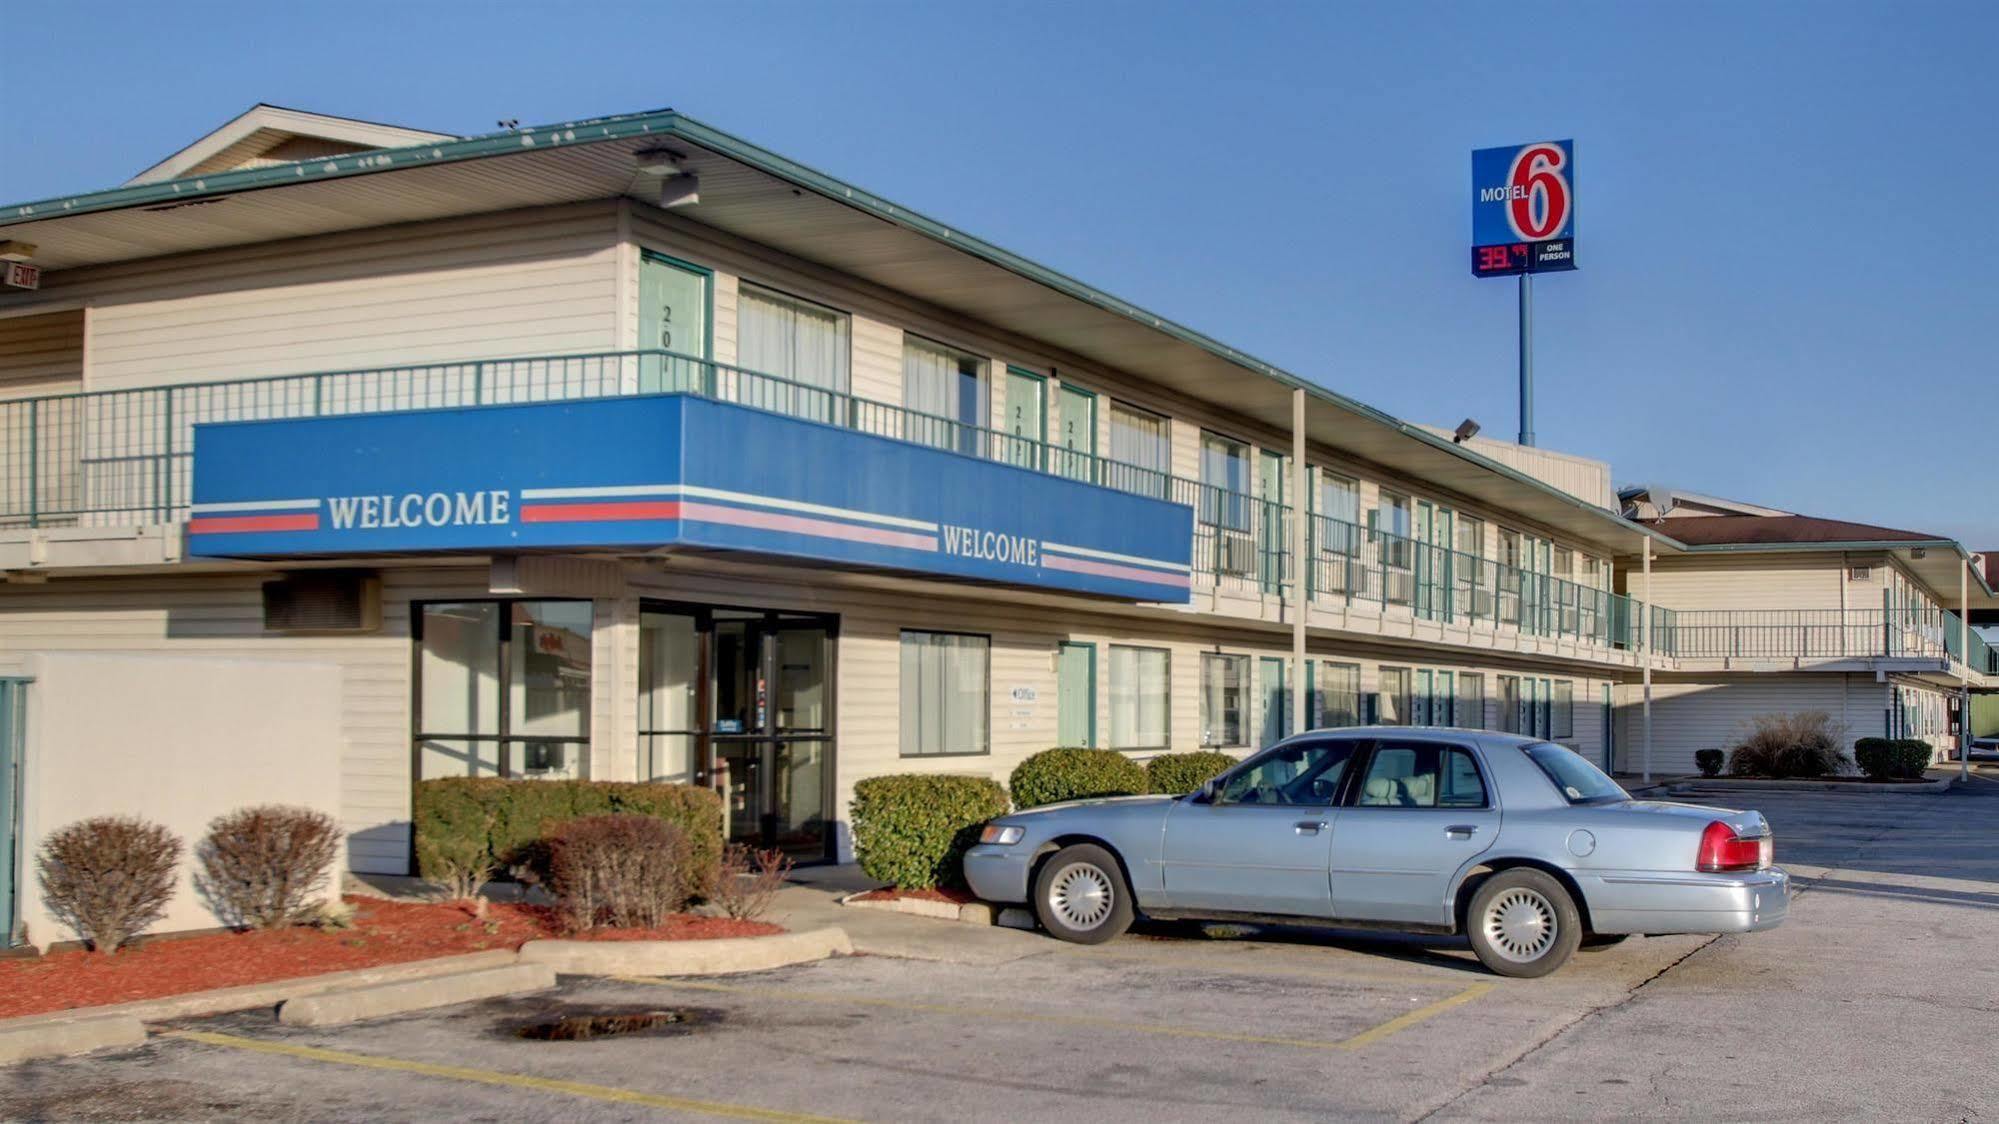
(1527, 359)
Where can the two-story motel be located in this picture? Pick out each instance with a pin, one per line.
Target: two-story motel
(627, 449)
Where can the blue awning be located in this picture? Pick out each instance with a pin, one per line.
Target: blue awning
(664, 471)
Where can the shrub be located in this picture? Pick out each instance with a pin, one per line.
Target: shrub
(622, 870)
(263, 867)
(1709, 761)
(749, 881)
(1804, 744)
(468, 828)
(1054, 775)
(911, 830)
(108, 878)
(1892, 759)
(1177, 774)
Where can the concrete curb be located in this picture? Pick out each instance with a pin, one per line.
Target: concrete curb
(687, 958)
(59, 1038)
(415, 995)
(196, 1004)
(922, 907)
(1720, 786)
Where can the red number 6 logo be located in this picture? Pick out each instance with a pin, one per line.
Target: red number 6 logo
(1537, 192)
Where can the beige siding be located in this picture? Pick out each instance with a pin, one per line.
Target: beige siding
(516, 283)
(41, 354)
(222, 616)
(1587, 480)
(1766, 581)
(877, 368)
(1715, 712)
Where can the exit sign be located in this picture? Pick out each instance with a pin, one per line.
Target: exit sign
(21, 275)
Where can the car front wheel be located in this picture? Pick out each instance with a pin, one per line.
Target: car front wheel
(1523, 923)
(1081, 896)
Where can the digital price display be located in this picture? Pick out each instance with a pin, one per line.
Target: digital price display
(1523, 209)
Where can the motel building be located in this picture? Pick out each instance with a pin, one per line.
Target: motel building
(336, 455)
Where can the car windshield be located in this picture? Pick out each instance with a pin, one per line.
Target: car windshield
(1578, 781)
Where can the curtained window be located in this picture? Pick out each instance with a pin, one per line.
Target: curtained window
(795, 340)
(946, 694)
(1141, 451)
(1140, 699)
(948, 388)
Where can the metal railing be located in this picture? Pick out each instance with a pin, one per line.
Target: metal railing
(126, 456)
(1914, 633)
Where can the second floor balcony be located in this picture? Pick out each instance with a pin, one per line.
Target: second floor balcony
(1822, 636)
(125, 457)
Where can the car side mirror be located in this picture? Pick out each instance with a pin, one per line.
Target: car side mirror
(1206, 793)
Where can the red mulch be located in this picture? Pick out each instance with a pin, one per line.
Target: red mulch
(383, 932)
(890, 893)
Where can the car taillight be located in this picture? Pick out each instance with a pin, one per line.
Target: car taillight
(1722, 849)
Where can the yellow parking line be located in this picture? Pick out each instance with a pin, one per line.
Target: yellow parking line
(1364, 1038)
(494, 1077)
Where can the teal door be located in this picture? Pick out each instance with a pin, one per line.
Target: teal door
(13, 708)
(1076, 695)
(1077, 433)
(1026, 420)
(1272, 468)
(674, 316)
(1274, 714)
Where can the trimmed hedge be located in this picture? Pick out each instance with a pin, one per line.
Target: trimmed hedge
(912, 830)
(1892, 758)
(1055, 775)
(1709, 761)
(1177, 774)
(504, 824)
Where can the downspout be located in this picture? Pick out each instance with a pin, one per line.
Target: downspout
(1298, 606)
(1645, 648)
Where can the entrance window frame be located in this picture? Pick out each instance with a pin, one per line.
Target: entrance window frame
(502, 737)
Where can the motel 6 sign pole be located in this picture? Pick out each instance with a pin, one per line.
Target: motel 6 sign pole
(1523, 222)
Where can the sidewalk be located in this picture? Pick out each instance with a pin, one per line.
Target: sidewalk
(812, 900)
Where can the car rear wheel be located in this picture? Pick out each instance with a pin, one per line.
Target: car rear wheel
(1080, 895)
(1523, 923)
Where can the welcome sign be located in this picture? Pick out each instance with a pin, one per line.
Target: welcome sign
(664, 471)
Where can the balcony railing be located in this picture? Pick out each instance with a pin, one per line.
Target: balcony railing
(125, 456)
(1821, 634)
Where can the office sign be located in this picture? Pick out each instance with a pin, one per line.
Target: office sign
(669, 471)
(1523, 215)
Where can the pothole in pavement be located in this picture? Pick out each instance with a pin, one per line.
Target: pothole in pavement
(590, 1026)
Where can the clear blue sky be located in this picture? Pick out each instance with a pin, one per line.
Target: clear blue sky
(1787, 229)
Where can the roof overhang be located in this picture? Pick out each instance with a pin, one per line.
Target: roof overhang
(760, 195)
(1937, 562)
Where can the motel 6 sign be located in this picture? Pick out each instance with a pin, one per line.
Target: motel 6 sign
(1523, 213)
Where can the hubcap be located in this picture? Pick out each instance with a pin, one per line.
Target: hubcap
(1520, 925)
(1080, 895)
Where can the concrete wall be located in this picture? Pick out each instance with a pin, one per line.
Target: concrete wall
(174, 740)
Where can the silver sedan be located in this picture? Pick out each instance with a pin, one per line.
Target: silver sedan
(1521, 845)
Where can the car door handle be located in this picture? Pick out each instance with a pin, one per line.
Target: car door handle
(1308, 827)
(1460, 830)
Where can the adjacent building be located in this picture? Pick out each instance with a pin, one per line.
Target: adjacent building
(627, 449)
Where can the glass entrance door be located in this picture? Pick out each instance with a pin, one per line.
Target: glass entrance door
(761, 732)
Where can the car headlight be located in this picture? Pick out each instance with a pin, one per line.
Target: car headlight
(1006, 835)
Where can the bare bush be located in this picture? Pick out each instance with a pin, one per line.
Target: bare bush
(108, 878)
(1802, 744)
(749, 881)
(623, 871)
(263, 867)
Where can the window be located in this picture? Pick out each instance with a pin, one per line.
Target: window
(1392, 709)
(1304, 772)
(1224, 686)
(1076, 695)
(792, 339)
(947, 388)
(1421, 775)
(1392, 519)
(1442, 703)
(1274, 719)
(1544, 710)
(1565, 709)
(1140, 697)
(669, 664)
(1225, 483)
(1336, 696)
(1509, 704)
(1420, 713)
(1471, 700)
(1576, 779)
(1336, 531)
(503, 689)
(1141, 451)
(946, 694)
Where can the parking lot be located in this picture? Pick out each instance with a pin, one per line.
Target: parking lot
(1879, 998)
